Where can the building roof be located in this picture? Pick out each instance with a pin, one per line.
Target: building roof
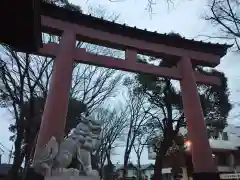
(151, 167)
(133, 32)
(130, 166)
(147, 166)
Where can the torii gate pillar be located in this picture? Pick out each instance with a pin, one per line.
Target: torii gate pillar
(56, 106)
(200, 148)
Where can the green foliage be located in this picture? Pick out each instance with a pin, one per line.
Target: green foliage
(174, 34)
(177, 146)
(215, 100)
(65, 4)
(162, 94)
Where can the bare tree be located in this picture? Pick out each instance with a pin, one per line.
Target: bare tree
(225, 15)
(141, 142)
(136, 118)
(20, 80)
(94, 85)
(113, 122)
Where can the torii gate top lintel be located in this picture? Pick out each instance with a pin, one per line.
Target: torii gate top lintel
(100, 24)
(56, 20)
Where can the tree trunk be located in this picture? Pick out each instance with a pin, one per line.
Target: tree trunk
(124, 172)
(13, 173)
(28, 159)
(30, 133)
(109, 174)
(158, 166)
(125, 165)
(139, 172)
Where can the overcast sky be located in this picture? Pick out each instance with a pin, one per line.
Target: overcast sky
(183, 17)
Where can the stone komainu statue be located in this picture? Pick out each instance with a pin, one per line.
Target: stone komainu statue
(57, 156)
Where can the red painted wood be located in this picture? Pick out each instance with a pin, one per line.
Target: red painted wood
(55, 110)
(200, 148)
(122, 42)
(82, 56)
(131, 57)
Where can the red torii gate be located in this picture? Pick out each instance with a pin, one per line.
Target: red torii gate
(72, 26)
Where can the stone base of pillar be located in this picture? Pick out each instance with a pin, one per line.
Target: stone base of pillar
(206, 176)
